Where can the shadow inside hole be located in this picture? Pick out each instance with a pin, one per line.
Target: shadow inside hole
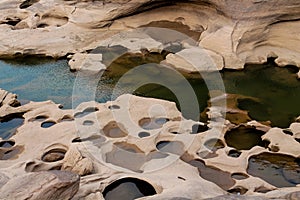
(239, 176)
(174, 147)
(114, 130)
(198, 128)
(234, 153)
(47, 124)
(86, 111)
(7, 143)
(88, 123)
(244, 138)
(239, 190)
(152, 123)
(288, 132)
(113, 107)
(143, 134)
(54, 155)
(40, 118)
(128, 189)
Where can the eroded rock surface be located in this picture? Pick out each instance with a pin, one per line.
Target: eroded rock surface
(133, 143)
(232, 32)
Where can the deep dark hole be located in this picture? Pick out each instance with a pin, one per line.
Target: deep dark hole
(7, 143)
(127, 189)
(47, 124)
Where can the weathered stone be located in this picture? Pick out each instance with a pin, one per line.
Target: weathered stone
(41, 185)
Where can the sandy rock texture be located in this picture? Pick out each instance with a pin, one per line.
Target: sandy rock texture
(99, 151)
(232, 32)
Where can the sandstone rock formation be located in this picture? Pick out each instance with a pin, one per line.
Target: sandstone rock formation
(140, 141)
(233, 32)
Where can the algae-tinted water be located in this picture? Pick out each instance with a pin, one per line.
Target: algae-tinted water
(277, 89)
(277, 169)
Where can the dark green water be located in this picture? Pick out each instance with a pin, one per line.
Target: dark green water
(277, 89)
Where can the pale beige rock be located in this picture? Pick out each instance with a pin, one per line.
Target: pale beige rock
(75, 162)
(41, 185)
(102, 143)
(86, 62)
(8, 99)
(236, 32)
(194, 60)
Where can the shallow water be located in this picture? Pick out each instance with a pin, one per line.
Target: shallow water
(277, 169)
(38, 79)
(277, 90)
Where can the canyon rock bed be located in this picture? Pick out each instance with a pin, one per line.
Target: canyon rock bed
(144, 146)
(233, 32)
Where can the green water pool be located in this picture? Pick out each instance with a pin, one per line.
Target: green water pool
(276, 89)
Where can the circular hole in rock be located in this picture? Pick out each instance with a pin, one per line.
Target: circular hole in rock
(234, 153)
(47, 124)
(239, 190)
(86, 111)
(54, 155)
(113, 107)
(274, 148)
(67, 118)
(262, 189)
(174, 147)
(75, 140)
(114, 130)
(40, 118)
(288, 132)
(144, 134)
(244, 138)
(198, 128)
(214, 144)
(239, 176)
(88, 123)
(150, 123)
(128, 189)
(7, 143)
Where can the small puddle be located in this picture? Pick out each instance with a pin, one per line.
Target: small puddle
(277, 169)
(244, 138)
(47, 124)
(150, 124)
(128, 189)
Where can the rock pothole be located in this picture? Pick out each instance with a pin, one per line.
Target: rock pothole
(128, 189)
